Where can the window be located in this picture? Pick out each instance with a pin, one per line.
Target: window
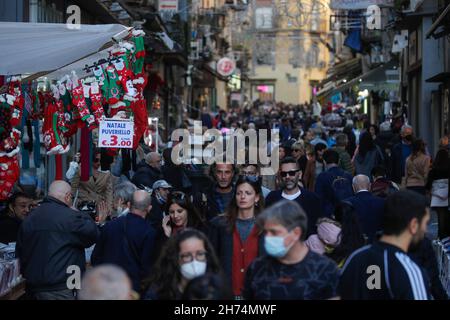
(263, 18)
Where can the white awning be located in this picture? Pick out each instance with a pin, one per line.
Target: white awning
(44, 47)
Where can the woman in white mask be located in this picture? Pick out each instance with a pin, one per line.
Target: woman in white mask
(185, 256)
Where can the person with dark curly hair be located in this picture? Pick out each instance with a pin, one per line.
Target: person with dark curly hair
(185, 256)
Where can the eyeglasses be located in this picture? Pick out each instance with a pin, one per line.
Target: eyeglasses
(291, 173)
(188, 257)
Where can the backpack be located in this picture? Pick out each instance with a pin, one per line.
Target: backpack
(382, 188)
(342, 188)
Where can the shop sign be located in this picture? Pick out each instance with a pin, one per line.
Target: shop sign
(114, 133)
(225, 67)
(168, 5)
(359, 4)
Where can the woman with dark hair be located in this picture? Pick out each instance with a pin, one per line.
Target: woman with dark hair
(314, 166)
(438, 185)
(367, 156)
(351, 236)
(417, 167)
(186, 255)
(235, 235)
(351, 146)
(180, 214)
(373, 130)
(208, 287)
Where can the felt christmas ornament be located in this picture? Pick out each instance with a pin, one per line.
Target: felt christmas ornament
(52, 141)
(120, 106)
(100, 76)
(96, 102)
(9, 163)
(139, 52)
(113, 88)
(5, 116)
(79, 102)
(139, 109)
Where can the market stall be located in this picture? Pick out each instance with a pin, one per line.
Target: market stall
(65, 89)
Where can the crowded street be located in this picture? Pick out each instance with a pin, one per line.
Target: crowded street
(261, 150)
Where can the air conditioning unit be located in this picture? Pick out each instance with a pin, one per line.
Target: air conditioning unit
(413, 5)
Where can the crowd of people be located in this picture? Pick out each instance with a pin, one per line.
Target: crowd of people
(348, 195)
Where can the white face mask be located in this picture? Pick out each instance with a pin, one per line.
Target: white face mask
(193, 269)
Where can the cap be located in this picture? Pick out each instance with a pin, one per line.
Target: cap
(161, 184)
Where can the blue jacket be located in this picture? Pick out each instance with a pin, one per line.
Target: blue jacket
(308, 200)
(325, 190)
(136, 255)
(369, 209)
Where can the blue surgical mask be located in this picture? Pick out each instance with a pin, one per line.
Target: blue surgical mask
(275, 246)
(160, 198)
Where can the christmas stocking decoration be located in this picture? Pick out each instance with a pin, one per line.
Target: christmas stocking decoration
(79, 103)
(96, 99)
(114, 92)
(139, 51)
(140, 120)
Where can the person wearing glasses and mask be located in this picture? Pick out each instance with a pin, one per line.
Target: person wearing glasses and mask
(289, 271)
(19, 206)
(290, 175)
(185, 256)
(99, 187)
(252, 171)
(235, 235)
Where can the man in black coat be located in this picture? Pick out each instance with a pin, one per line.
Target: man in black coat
(51, 240)
(129, 241)
(400, 152)
(149, 171)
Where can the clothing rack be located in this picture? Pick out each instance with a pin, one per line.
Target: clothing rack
(87, 68)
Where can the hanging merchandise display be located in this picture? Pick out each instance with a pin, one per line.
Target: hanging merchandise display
(55, 109)
(11, 106)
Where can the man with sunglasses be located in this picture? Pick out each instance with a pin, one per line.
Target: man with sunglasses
(290, 175)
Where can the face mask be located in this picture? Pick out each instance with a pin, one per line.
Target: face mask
(160, 198)
(193, 269)
(119, 210)
(275, 246)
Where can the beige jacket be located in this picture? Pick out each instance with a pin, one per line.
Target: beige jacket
(416, 170)
(94, 190)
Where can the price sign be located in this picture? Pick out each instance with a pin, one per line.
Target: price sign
(115, 133)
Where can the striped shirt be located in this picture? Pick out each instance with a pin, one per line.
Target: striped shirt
(382, 272)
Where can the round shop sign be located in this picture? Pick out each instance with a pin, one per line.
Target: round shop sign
(225, 67)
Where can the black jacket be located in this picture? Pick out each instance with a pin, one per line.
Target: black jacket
(9, 227)
(52, 238)
(396, 163)
(133, 250)
(146, 175)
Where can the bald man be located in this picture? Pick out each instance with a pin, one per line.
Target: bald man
(368, 207)
(51, 240)
(105, 282)
(149, 171)
(129, 241)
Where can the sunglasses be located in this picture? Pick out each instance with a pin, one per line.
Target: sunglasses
(97, 160)
(296, 150)
(291, 173)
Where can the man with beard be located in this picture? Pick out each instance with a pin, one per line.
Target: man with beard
(383, 270)
(290, 174)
